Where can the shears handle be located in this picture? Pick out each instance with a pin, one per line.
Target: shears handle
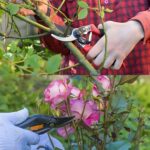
(86, 48)
(96, 31)
(37, 123)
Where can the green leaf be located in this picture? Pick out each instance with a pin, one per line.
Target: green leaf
(83, 14)
(128, 79)
(119, 103)
(33, 61)
(119, 145)
(1, 13)
(13, 8)
(53, 64)
(83, 4)
(102, 14)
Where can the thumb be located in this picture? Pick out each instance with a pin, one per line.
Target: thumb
(30, 137)
(16, 117)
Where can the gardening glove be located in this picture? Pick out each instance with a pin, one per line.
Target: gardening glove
(13, 137)
(121, 40)
(49, 143)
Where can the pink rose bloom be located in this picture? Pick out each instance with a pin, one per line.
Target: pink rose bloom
(62, 131)
(95, 91)
(76, 93)
(56, 92)
(91, 113)
(105, 82)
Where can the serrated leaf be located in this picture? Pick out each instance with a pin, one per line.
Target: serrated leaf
(83, 14)
(83, 4)
(118, 145)
(53, 64)
(13, 8)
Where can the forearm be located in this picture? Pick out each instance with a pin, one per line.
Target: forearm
(144, 20)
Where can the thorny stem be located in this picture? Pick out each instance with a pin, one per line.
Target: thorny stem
(106, 39)
(136, 139)
(105, 55)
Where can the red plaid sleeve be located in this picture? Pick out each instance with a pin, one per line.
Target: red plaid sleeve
(47, 41)
(144, 18)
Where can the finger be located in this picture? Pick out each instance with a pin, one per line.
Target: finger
(100, 26)
(26, 12)
(99, 59)
(118, 64)
(23, 146)
(109, 60)
(31, 138)
(96, 49)
(16, 117)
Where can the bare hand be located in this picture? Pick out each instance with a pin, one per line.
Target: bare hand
(122, 38)
(42, 6)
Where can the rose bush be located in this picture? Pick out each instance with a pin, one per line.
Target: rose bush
(69, 100)
(101, 112)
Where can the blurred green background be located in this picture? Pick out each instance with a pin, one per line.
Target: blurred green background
(19, 92)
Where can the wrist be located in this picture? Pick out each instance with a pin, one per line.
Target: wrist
(137, 29)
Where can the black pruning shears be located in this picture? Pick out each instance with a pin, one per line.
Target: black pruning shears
(43, 123)
(78, 34)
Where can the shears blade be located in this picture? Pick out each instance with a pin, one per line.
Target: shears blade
(64, 39)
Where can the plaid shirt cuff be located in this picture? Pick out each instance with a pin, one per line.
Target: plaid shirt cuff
(144, 18)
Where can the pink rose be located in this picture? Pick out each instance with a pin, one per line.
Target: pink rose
(65, 131)
(95, 91)
(56, 92)
(76, 93)
(88, 110)
(105, 82)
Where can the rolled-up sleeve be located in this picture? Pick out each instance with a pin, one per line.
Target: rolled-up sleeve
(144, 18)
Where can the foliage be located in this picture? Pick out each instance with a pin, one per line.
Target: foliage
(28, 57)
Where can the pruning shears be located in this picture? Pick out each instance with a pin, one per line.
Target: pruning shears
(43, 123)
(78, 34)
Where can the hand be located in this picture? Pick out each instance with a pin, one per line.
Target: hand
(42, 6)
(122, 38)
(45, 142)
(13, 137)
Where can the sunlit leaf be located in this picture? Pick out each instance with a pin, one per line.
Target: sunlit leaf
(83, 4)
(82, 14)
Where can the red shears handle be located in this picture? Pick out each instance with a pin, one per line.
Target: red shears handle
(95, 30)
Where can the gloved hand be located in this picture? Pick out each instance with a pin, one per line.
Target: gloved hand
(13, 137)
(120, 43)
(48, 144)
